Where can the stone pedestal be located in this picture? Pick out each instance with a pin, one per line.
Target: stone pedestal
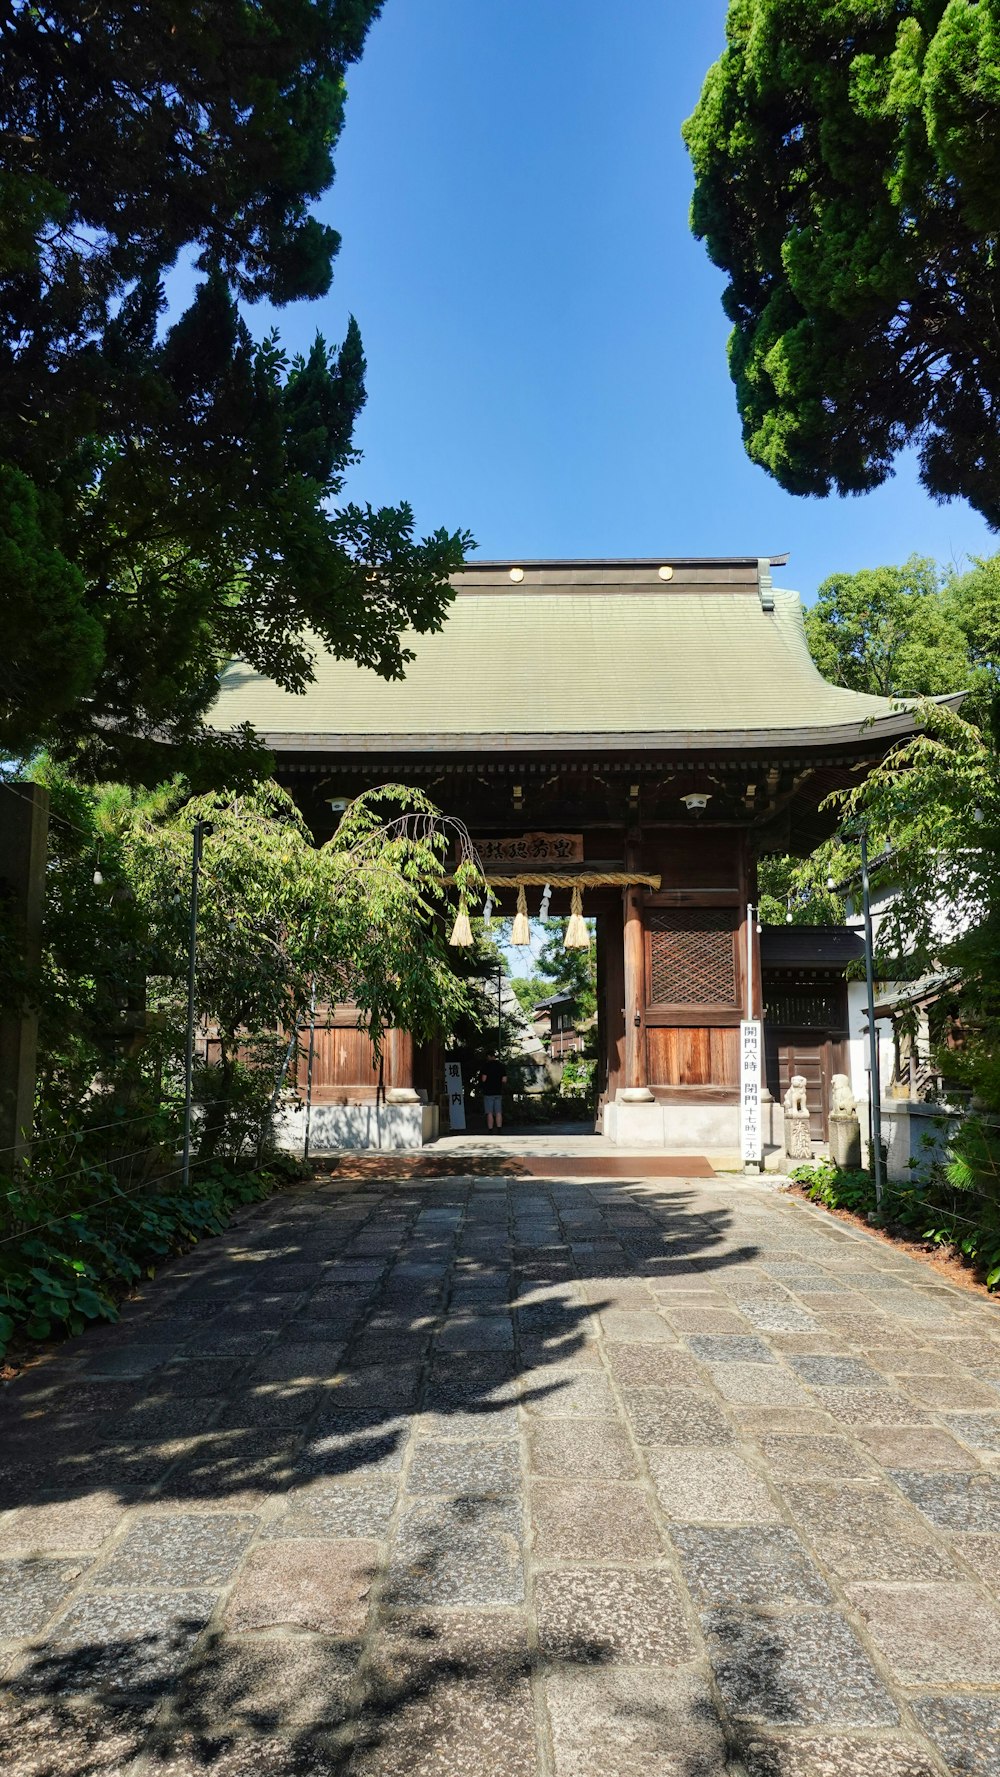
(798, 1140)
(845, 1142)
(673, 1128)
(391, 1128)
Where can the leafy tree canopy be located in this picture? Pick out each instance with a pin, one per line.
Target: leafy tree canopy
(279, 920)
(530, 989)
(166, 481)
(911, 631)
(568, 971)
(847, 180)
(890, 631)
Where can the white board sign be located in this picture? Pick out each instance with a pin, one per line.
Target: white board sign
(456, 1094)
(751, 1123)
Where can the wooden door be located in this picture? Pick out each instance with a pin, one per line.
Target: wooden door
(814, 1054)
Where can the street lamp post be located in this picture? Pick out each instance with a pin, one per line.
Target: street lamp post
(197, 839)
(874, 1078)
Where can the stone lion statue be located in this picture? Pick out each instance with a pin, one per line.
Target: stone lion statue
(795, 1097)
(842, 1101)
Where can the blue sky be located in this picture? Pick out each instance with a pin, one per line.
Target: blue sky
(545, 339)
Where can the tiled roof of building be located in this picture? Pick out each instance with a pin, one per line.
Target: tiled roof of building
(602, 650)
(831, 947)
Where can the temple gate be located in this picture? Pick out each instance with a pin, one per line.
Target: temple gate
(644, 729)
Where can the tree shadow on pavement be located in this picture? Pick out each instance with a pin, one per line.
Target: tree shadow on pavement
(286, 1368)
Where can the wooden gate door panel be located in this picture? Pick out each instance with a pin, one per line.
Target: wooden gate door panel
(814, 1055)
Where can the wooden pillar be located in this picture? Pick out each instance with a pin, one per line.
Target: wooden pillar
(610, 1031)
(634, 952)
(399, 1058)
(24, 823)
(615, 997)
(748, 894)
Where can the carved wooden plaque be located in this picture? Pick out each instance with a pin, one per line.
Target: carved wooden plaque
(532, 850)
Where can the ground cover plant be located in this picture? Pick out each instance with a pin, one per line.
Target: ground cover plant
(946, 1210)
(60, 1269)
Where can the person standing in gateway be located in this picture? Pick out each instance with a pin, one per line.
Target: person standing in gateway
(493, 1079)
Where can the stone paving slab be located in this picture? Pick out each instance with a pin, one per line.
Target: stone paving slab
(511, 1477)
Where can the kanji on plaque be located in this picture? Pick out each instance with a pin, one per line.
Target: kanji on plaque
(532, 848)
(751, 1121)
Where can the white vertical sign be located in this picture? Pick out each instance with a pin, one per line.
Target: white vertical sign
(456, 1094)
(751, 1129)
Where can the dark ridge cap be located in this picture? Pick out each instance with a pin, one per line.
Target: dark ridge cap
(624, 561)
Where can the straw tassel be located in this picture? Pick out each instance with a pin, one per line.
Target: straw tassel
(461, 931)
(521, 930)
(577, 936)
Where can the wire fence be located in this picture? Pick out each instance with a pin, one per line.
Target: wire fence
(77, 1169)
(935, 1200)
(154, 1182)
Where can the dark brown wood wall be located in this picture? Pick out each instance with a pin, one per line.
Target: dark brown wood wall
(344, 1062)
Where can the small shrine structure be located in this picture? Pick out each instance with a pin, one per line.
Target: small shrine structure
(639, 731)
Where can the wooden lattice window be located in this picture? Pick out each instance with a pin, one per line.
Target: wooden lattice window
(692, 956)
(818, 1011)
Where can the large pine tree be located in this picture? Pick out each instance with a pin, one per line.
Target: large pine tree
(166, 483)
(847, 180)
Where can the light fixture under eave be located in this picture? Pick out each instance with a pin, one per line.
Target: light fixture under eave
(337, 804)
(696, 801)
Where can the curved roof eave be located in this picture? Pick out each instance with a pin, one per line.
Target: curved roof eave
(722, 740)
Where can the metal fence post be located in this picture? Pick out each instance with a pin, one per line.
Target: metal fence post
(196, 845)
(874, 1079)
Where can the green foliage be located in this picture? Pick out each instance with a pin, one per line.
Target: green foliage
(934, 804)
(826, 1184)
(280, 922)
(530, 990)
(553, 1106)
(891, 631)
(888, 631)
(568, 971)
(171, 487)
(798, 886)
(383, 895)
(578, 1076)
(929, 1213)
(53, 645)
(76, 1267)
(847, 180)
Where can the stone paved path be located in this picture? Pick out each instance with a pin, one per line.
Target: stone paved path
(475, 1478)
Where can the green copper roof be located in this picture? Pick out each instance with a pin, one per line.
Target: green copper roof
(560, 657)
